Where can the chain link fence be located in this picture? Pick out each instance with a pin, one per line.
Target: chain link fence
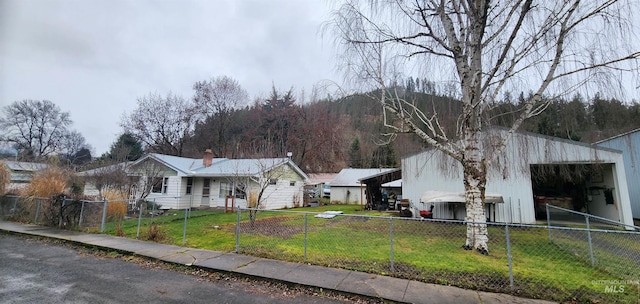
(60, 211)
(570, 263)
(556, 263)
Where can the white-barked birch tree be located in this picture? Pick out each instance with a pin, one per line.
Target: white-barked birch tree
(481, 49)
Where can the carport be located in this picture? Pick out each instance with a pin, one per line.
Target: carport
(372, 187)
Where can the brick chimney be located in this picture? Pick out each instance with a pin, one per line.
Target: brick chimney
(207, 159)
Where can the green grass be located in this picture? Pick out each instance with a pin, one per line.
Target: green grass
(422, 250)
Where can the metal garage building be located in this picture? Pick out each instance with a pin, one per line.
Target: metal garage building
(589, 178)
(629, 144)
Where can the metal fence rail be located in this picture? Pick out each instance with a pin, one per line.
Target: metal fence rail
(557, 216)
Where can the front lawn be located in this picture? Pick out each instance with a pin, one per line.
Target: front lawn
(422, 250)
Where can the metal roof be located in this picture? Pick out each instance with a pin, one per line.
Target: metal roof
(24, 166)
(351, 177)
(317, 178)
(221, 166)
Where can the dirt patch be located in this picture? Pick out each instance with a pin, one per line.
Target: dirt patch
(276, 226)
(271, 226)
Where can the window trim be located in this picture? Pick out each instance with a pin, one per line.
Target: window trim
(189, 189)
(165, 185)
(206, 185)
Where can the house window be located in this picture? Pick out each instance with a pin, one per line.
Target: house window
(240, 194)
(292, 183)
(156, 184)
(206, 187)
(273, 181)
(225, 189)
(165, 185)
(189, 184)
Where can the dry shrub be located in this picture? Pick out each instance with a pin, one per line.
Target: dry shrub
(116, 211)
(253, 200)
(5, 178)
(47, 183)
(51, 184)
(156, 233)
(120, 231)
(117, 206)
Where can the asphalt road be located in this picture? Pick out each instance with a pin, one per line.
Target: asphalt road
(36, 271)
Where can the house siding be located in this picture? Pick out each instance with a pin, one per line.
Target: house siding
(171, 199)
(347, 195)
(282, 195)
(629, 144)
(178, 170)
(433, 170)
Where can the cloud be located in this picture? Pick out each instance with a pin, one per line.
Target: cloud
(94, 58)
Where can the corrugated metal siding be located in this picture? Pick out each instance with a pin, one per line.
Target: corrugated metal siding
(433, 170)
(629, 144)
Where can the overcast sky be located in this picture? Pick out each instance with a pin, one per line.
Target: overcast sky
(94, 58)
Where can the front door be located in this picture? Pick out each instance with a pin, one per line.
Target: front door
(206, 187)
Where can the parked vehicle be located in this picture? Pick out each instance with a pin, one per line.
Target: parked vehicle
(326, 191)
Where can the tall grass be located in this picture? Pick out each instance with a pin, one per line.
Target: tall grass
(47, 183)
(117, 206)
(5, 178)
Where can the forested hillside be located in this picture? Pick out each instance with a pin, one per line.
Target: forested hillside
(327, 135)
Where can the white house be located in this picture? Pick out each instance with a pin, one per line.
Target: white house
(629, 144)
(21, 173)
(346, 187)
(180, 182)
(101, 174)
(598, 184)
(319, 183)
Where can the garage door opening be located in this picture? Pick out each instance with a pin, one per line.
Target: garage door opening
(587, 188)
(564, 186)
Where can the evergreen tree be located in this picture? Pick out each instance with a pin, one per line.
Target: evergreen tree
(126, 147)
(355, 154)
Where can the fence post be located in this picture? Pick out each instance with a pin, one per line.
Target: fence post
(546, 206)
(81, 213)
(12, 212)
(589, 239)
(35, 220)
(153, 210)
(140, 218)
(184, 230)
(238, 232)
(510, 210)
(391, 242)
(104, 215)
(64, 200)
(306, 223)
(510, 262)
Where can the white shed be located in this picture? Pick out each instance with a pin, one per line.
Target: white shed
(599, 189)
(629, 144)
(346, 187)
